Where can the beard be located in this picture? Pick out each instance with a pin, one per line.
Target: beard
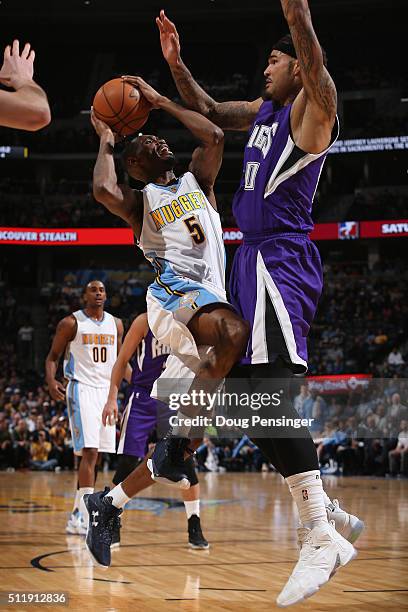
(267, 95)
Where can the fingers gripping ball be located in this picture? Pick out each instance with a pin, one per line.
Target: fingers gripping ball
(121, 106)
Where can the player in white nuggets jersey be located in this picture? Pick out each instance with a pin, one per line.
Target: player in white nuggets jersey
(177, 226)
(90, 340)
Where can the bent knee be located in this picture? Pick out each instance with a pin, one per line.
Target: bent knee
(233, 335)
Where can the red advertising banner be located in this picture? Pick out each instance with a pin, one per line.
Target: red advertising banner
(66, 236)
(83, 236)
(338, 383)
(384, 229)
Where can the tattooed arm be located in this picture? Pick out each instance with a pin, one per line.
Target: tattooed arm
(318, 98)
(227, 115)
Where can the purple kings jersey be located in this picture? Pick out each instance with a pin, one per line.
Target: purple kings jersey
(279, 180)
(148, 362)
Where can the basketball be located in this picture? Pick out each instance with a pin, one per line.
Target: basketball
(121, 106)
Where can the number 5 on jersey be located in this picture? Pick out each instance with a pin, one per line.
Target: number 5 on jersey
(195, 229)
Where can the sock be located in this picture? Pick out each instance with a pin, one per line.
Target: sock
(82, 508)
(76, 501)
(119, 497)
(307, 492)
(192, 507)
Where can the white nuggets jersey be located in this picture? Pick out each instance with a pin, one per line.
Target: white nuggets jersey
(91, 355)
(181, 227)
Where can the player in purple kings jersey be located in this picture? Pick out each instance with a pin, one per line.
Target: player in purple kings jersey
(276, 279)
(147, 358)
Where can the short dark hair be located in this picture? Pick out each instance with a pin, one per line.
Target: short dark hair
(94, 280)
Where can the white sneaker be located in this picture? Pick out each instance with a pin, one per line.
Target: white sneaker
(348, 525)
(323, 551)
(76, 524)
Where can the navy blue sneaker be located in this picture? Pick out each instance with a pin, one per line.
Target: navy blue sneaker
(167, 462)
(103, 518)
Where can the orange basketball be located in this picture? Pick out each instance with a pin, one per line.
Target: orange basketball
(121, 106)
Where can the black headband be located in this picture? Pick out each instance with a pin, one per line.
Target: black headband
(285, 45)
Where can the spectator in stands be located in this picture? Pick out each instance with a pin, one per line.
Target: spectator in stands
(395, 358)
(304, 402)
(39, 452)
(31, 420)
(398, 457)
(21, 445)
(318, 415)
(397, 411)
(6, 443)
(58, 436)
(381, 419)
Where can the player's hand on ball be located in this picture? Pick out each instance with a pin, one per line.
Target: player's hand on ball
(57, 391)
(169, 39)
(145, 89)
(110, 413)
(101, 128)
(17, 69)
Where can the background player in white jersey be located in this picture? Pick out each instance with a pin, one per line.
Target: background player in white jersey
(179, 230)
(146, 357)
(90, 340)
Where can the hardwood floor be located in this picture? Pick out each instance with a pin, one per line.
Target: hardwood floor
(250, 522)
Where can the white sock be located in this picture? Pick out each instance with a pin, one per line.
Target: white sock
(119, 497)
(76, 501)
(307, 492)
(82, 508)
(192, 507)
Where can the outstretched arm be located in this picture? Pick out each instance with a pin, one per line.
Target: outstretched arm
(207, 158)
(120, 200)
(25, 108)
(318, 86)
(227, 115)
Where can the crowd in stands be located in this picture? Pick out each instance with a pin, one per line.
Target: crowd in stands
(362, 432)
(71, 204)
(362, 317)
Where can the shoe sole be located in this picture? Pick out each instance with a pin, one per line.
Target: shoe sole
(96, 562)
(184, 483)
(115, 546)
(197, 547)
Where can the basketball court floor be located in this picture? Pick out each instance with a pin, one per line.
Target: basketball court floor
(250, 522)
